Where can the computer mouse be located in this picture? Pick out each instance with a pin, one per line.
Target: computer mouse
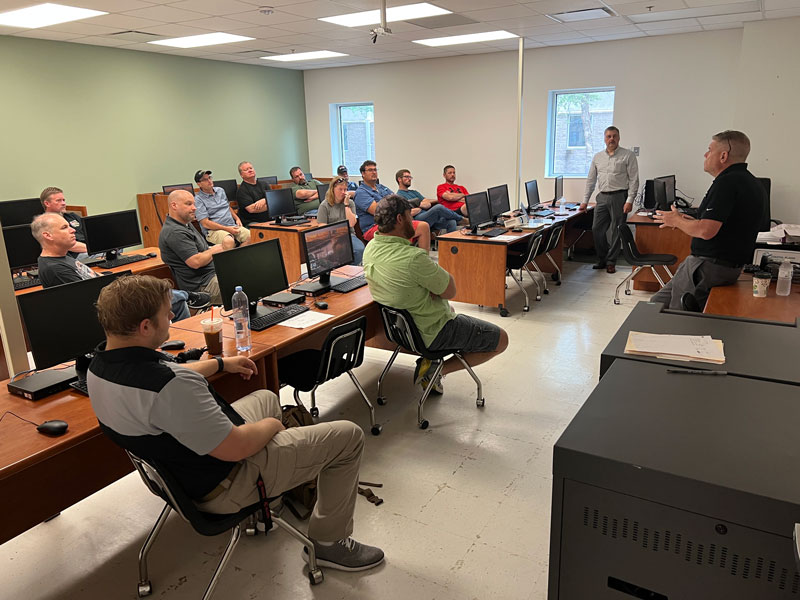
(173, 345)
(321, 304)
(106, 272)
(517, 230)
(54, 427)
(152, 254)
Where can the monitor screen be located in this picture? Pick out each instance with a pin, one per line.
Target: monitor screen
(478, 208)
(498, 200)
(178, 186)
(111, 231)
(269, 180)
(660, 194)
(669, 181)
(532, 192)
(43, 322)
(559, 191)
(322, 191)
(21, 247)
(280, 203)
(19, 212)
(327, 248)
(258, 268)
(230, 187)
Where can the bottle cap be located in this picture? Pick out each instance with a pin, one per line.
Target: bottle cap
(238, 288)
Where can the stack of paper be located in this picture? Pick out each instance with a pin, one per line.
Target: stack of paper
(701, 348)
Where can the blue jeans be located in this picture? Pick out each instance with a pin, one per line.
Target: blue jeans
(179, 308)
(439, 217)
(358, 250)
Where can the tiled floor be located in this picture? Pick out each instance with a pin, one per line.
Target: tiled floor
(467, 502)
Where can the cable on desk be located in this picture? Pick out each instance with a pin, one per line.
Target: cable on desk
(8, 412)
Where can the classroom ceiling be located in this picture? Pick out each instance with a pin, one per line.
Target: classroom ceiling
(294, 26)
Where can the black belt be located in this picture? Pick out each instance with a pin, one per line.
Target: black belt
(615, 192)
(720, 262)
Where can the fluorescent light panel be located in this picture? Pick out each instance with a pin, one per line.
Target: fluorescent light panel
(470, 38)
(205, 39)
(44, 15)
(304, 56)
(396, 13)
(581, 15)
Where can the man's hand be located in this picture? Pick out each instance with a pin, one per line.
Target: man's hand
(233, 230)
(583, 206)
(240, 364)
(425, 204)
(627, 208)
(668, 218)
(415, 211)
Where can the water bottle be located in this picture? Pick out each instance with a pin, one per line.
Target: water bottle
(241, 319)
(784, 278)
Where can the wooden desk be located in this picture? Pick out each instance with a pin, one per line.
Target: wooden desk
(737, 300)
(290, 240)
(651, 239)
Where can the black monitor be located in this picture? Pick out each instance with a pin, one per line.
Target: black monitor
(19, 212)
(258, 268)
(280, 203)
(230, 188)
(21, 247)
(322, 191)
(532, 192)
(178, 186)
(43, 322)
(559, 189)
(498, 200)
(660, 195)
(669, 182)
(269, 180)
(111, 232)
(324, 249)
(478, 209)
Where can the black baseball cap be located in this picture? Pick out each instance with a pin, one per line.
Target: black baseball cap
(342, 170)
(199, 175)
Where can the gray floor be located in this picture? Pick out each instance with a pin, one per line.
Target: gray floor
(467, 502)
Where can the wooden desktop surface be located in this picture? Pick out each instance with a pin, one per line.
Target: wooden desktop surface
(737, 300)
(290, 239)
(651, 239)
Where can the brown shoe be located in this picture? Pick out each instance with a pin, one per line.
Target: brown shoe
(611, 269)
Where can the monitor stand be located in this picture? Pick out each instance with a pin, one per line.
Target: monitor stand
(259, 310)
(315, 288)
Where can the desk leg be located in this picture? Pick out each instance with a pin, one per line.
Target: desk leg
(479, 270)
(271, 372)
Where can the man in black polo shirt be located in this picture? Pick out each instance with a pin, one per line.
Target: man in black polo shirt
(185, 251)
(251, 196)
(724, 232)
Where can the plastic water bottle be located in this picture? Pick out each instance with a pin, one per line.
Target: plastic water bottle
(241, 319)
(784, 278)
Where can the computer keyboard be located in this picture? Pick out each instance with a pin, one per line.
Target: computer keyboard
(80, 386)
(543, 213)
(121, 260)
(277, 316)
(493, 232)
(24, 284)
(350, 284)
(293, 223)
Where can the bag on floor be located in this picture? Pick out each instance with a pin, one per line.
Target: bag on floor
(301, 499)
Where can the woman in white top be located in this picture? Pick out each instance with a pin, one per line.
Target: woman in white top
(339, 206)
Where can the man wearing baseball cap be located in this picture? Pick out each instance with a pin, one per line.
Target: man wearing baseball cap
(352, 186)
(216, 217)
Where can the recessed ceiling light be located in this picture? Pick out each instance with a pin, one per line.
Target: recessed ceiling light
(581, 15)
(396, 13)
(205, 39)
(304, 56)
(470, 38)
(44, 15)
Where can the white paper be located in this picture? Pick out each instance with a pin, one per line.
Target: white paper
(306, 319)
(691, 347)
(505, 238)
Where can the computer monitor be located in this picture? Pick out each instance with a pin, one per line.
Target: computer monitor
(111, 232)
(44, 324)
(669, 181)
(21, 247)
(322, 191)
(559, 189)
(498, 200)
(478, 209)
(280, 203)
(19, 212)
(229, 186)
(258, 268)
(660, 195)
(269, 180)
(326, 248)
(178, 186)
(532, 193)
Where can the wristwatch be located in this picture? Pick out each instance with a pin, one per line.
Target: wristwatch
(220, 364)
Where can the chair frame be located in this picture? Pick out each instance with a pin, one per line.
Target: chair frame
(532, 250)
(555, 234)
(634, 251)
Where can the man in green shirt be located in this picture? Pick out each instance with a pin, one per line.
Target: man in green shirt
(304, 192)
(403, 276)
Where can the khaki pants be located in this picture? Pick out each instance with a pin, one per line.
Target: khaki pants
(217, 236)
(212, 289)
(329, 451)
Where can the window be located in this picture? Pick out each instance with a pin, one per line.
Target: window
(352, 135)
(577, 120)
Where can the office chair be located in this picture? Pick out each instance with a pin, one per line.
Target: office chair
(638, 261)
(168, 189)
(342, 351)
(161, 483)
(520, 262)
(229, 187)
(552, 242)
(584, 224)
(401, 330)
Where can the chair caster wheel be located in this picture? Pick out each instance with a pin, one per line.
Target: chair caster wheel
(423, 424)
(480, 402)
(504, 312)
(381, 400)
(555, 277)
(547, 291)
(526, 308)
(250, 531)
(145, 589)
(558, 282)
(538, 298)
(627, 292)
(376, 430)
(314, 412)
(616, 301)
(315, 577)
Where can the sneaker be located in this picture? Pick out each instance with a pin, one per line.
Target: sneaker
(423, 365)
(422, 376)
(198, 300)
(346, 555)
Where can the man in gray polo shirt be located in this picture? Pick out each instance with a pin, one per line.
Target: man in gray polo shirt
(216, 217)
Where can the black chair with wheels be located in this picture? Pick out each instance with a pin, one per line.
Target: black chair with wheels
(161, 482)
(520, 262)
(639, 261)
(690, 303)
(585, 226)
(401, 330)
(552, 241)
(342, 351)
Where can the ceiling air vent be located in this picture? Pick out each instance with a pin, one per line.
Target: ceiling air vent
(135, 36)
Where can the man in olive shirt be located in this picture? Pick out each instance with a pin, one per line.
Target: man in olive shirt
(403, 276)
(251, 196)
(304, 192)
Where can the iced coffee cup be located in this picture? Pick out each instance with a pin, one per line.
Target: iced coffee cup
(212, 330)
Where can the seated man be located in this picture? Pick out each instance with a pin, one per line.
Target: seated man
(53, 201)
(402, 276)
(251, 196)
(450, 194)
(426, 209)
(56, 237)
(304, 192)
(341, 171)
(168, 412)
(368, 195)
(214, 213)
(185, 251)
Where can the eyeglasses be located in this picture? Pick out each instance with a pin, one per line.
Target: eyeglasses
(406, 177)
(371, 169)
(205, 179)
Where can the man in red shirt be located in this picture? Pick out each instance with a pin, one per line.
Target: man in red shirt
(450, 194)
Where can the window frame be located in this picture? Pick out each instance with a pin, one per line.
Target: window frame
(338, 134)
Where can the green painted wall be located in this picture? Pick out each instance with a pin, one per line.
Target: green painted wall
(105, 124)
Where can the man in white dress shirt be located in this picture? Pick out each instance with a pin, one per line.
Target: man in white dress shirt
(615, 171)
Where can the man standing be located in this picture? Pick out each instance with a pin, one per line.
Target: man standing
(352, 186)
(615, 171)
(251, 196)
(53, 201)
(305, 193)
(450, 194)
(405, 277)
(725, 230)
(424, 209)
(185, 251)
(218, 452)
(220, 224)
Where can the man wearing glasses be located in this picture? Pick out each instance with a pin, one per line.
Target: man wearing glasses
(216, 217)
(426, 209)
(724, 232)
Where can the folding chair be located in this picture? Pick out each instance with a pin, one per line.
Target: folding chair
(638, 261)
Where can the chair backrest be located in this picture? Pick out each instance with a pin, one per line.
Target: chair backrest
(230, 187)
(401, 329)
(555, 235)
(533, 246)
(178, 186)
(629, 249)
(268, 180)
(343, 349)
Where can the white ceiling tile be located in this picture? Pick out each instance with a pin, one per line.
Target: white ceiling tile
(700, 11)
(722, 26)
(522, 22)
(45, 34)
(612, 30)
(638, 7)
(214, 7)
(461, 6)
(781, 14)
(316, 9)
(216, 24)
(300, 38)
(110, 6)
(741, 18)
(311, 26)
(598, 23)
(674, 31)
(549, 7)
(403, 27)
(122, 21)
(11, 30)
(341, 33)
(570, 42)
(261, 33)
(95, 40)
(668, 24)
(781, 4)
(618, 36)
(173, 30)
(256, 18)
(499, 13)
(165, 14)
(701, 3)
(557, 37)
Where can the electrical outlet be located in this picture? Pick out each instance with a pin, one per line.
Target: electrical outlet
(635, 150)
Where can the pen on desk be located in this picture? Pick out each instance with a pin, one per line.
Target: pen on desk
(696, 372)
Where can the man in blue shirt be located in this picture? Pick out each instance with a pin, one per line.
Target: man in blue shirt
(426, 209)
(216, 217)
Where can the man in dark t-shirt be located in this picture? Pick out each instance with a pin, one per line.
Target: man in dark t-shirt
(251, 197)
(53, 201)
(724, 232)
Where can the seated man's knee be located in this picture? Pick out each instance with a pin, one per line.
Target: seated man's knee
(229, 242)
